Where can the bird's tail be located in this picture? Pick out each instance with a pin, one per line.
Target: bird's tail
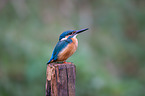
(50, 61)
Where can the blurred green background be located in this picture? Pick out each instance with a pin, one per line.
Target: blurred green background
(110, 59)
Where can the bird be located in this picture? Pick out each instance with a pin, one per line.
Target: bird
(66, 46)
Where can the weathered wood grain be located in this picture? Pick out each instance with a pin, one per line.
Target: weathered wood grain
(60, 79)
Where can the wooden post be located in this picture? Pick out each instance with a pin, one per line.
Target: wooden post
(60, 79)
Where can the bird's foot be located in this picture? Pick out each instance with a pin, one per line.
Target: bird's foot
(67, 62)
(59, 62)
(63, 62)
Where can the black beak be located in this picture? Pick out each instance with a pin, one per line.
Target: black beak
(82, 30)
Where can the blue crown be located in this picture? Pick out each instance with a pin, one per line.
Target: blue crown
(65, 33)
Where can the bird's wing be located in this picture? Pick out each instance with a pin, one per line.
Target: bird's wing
(59, 46)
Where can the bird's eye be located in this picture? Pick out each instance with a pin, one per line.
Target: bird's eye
(73, 32)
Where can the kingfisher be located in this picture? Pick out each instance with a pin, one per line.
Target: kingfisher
(66, 46)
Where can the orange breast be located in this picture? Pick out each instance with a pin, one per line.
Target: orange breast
(68, 51)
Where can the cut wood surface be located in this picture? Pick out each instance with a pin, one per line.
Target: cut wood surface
(60, 79)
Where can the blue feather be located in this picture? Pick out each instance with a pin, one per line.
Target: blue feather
(68, 32)
(58, 48)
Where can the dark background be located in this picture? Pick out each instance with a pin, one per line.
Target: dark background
(110, 59)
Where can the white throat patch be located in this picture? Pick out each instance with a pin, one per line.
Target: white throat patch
(75, 36)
